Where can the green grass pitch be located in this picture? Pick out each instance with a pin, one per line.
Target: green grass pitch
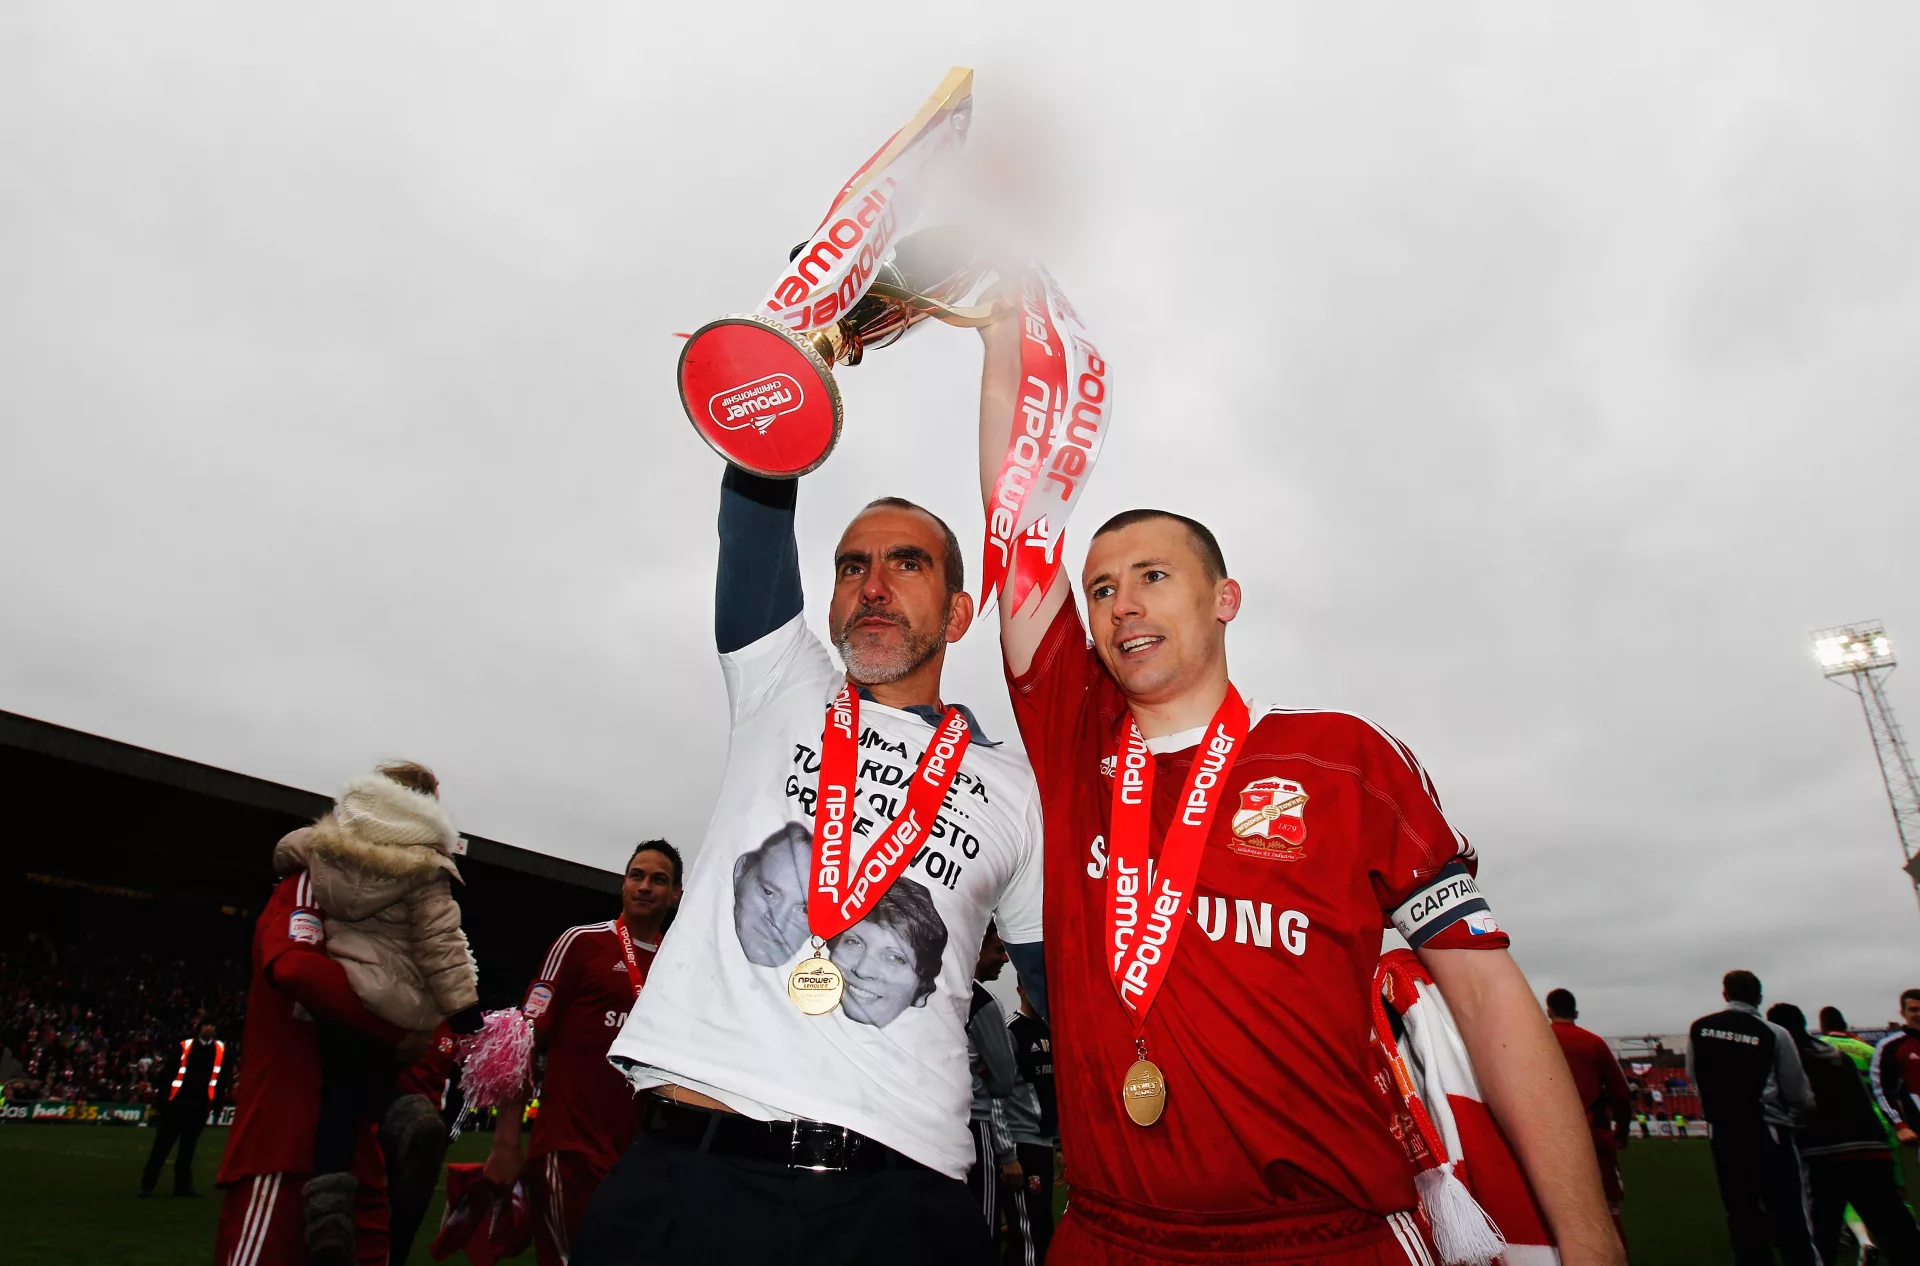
(67, 1198)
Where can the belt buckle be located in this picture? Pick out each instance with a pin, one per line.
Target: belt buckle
(827, 1149)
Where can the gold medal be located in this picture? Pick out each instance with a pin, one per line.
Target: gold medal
(1143, 1092)
(816, 985)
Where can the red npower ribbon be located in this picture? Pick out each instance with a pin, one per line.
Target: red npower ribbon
(1060, 414)
(1060, 417)
(837, 265)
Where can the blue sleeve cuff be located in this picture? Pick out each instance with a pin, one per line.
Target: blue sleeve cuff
(1030, 960)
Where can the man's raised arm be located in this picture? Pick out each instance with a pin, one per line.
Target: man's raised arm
(757, 584)
(1020, 631)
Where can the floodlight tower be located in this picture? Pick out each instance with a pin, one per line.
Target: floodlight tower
(1860, 657)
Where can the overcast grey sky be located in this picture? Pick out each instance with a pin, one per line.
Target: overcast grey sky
(1546, 370)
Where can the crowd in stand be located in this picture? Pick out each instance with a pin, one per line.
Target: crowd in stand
(80, 1023)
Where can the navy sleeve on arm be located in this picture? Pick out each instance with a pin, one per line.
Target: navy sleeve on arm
(757, 588)
(1030, 960)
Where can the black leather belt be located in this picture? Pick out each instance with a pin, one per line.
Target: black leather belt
(813, 1146)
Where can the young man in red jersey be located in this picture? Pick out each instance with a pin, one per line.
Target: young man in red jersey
(588, 1114)
(269, 1155)
(1602, 1087)
(1218, 875)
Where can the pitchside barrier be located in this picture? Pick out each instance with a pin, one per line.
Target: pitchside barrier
(58, 1111)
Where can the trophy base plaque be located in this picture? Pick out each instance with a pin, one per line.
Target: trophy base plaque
(762, 395)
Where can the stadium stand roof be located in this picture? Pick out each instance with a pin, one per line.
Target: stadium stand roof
(166, 842)
(57, 741)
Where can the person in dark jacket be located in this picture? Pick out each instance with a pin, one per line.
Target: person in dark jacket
(1845, 1149)
(996, 1161)
(1752, 1091)
(1896, 1070)
(1033, 1119)
(195, 1089)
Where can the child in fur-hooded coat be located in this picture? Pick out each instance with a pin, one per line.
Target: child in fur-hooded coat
(381, 870)
(380, 866)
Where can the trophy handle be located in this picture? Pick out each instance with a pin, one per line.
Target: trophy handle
(970, 317)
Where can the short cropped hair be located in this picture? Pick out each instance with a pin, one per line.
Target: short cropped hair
(1906, 994)
(1560, 1003)
(663, 848)
(1831, 1021)
(1741, 986)
(954, 565)
(1204, 542)
(1788, 1017)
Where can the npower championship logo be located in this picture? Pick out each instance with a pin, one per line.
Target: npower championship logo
(756, 404)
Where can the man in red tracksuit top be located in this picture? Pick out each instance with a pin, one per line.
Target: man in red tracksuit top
(269, 1154)
(1602, 1088)
(588, 1111)
(1895, 1071)
(1218, 875)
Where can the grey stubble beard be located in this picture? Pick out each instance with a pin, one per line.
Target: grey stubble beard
(884, 667)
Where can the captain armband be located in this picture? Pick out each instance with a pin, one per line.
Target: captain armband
(1450, 900)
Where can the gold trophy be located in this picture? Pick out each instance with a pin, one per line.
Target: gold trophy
(759, 387)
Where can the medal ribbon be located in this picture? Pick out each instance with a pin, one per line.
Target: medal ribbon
(1143, 926)
(1060, 419)
(840, 894)
(626, 947)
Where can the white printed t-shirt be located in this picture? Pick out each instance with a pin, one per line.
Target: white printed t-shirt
(891, 1061)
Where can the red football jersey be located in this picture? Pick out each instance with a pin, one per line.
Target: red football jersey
(277, 1103)
(579, 1002)
(1596, 1076)
(1325, 827)
(430, 1074)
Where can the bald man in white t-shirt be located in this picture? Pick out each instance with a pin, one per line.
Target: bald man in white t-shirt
(793, 1137)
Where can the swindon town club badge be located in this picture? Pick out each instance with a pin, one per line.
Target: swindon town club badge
(1271, 821)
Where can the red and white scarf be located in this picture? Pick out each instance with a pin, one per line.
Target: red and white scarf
(1472, 1192)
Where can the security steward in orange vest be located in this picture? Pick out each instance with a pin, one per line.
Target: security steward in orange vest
(196, 1084)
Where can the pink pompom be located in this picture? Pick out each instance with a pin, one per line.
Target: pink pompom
(499, 1064)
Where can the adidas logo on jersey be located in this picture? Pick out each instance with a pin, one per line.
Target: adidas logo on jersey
(1107, 766)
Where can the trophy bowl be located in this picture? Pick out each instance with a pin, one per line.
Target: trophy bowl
(761, 395)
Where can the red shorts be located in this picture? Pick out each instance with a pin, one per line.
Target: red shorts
(263, 1223)
(1101, 1232)
(560, 1184)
